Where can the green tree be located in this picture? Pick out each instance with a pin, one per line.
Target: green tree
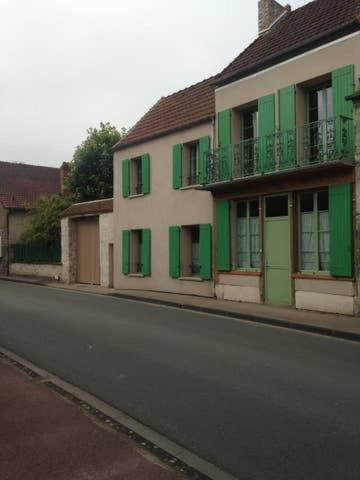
(43, 225)
(91, 169)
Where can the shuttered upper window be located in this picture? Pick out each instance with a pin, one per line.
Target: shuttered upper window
(136, 176)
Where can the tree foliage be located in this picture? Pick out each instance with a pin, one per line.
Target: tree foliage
(91, 170)
(43, 224)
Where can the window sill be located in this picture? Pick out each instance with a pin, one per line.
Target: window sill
(136, 275)
(191, 279)
(320, 276)
(136, 195)
(250, 273)
(191, 187)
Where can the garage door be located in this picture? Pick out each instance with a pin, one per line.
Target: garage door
(88, 250)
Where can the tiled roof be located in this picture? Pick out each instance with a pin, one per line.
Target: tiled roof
(296, 32)
(88, 208)
(179, 110)
(21, 185)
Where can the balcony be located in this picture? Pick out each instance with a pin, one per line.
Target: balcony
(325, 142)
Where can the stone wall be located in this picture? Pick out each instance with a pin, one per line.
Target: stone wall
(4, 241)
(106, 228)
(68, 250)
(36, 269)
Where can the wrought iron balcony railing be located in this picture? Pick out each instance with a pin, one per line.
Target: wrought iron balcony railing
(330, 140)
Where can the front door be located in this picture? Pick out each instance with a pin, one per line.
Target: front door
(277, 250)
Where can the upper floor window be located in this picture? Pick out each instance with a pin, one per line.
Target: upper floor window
(136, 176)
(321, 104)
(249, 124)
(314, 231)
(191, 163)
(321, 124)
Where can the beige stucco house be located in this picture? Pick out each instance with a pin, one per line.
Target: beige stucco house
(245, 186)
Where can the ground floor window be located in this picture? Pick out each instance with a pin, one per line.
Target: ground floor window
(247, 234)
(190, 251)
(314, 231)
(136, 252)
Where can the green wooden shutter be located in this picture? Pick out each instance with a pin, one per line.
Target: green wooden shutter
(177, 166)
(146, 252)
(126, 252)
(341, 237)
(343, 83)
(287, 125)
(266, 107)
(204, 147)
(125, 173)
(205, 252)
(224, 144)
(223, 250)
(174, 251)
(145, 173)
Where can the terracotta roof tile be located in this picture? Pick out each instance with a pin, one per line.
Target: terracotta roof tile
(298, 29)
(88, 208)
(21, 185)
(179, 110)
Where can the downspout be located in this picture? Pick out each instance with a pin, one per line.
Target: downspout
(7, 243)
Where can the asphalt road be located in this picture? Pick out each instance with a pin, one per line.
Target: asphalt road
(262, 403)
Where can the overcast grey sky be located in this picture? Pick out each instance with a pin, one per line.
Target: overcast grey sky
(67, 65)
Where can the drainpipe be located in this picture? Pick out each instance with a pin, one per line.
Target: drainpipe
(7, 244)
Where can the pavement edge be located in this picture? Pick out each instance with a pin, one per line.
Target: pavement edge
(175, 455)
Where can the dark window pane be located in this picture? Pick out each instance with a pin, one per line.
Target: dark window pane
(307, 202)
(241, 209)
(323, 201)
(277, 206)
(254, 208)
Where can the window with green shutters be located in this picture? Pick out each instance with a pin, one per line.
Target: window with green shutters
(136, 252)
(325, 233)
(190, 251)
(189, 163)
(136, 176)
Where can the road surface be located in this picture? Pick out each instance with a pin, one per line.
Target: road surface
(260, 402)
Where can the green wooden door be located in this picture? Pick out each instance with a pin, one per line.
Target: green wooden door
(277, 251)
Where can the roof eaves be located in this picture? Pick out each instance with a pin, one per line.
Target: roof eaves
(139, 141)
(285, 54)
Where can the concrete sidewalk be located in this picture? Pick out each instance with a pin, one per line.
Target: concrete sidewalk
(42, 436)
(340, 326)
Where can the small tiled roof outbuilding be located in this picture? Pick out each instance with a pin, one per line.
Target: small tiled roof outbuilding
(185, 108)
(298, 31)
(94, 207)
(21, 185)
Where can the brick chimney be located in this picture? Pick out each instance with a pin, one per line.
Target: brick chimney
(269, 12)
(64, 172)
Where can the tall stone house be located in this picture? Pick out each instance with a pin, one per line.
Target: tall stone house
(21, 185)
(243, 186)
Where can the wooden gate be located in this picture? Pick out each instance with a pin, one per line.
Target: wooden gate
(88, 250)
